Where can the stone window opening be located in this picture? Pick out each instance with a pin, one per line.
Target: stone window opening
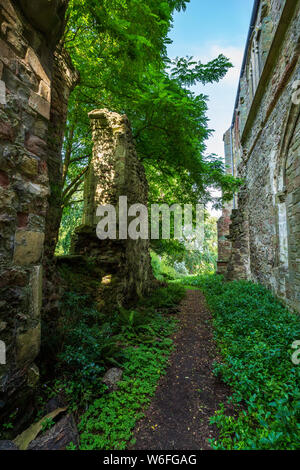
(283, 258)
(255, 61)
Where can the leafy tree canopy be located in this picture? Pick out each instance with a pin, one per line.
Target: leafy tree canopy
(120, 49)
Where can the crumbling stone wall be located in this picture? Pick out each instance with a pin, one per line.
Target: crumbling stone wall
(114, 171)
(224, 244)
(264, 229)
(32, 115)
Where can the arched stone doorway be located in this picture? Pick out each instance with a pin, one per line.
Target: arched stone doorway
(288, 210)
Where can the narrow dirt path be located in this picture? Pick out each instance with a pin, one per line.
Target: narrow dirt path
(189, 394)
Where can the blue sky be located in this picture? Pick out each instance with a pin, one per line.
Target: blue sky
(206, 29)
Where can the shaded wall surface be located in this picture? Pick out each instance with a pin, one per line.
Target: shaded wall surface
(264, 230)
(35, 81)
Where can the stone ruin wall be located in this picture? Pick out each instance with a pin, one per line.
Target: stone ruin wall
(114, 171)
(265, 226)
(36, 77)
(35, 82)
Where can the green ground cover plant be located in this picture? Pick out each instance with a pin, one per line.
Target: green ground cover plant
(137, 340)
(109, 422)
(146, 345)
(255, 332)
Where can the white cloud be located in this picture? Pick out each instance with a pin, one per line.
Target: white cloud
(235, 54)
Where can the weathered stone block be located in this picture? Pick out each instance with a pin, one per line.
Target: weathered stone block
(37, 190)
(36, 223)
(46, 16)
(28, 345)
(44, 91)
(8, 445)
(36, 145)
(6, 52)
(39, 104)
(4, 179)
(40, 129)
(7, 200)
(34, 62)
(59, 437)
(37, 286)
(31, 66)
(29, 165)
(3, 324)
(6, 131)
(9, 12)
(16, 42)
(28, 247)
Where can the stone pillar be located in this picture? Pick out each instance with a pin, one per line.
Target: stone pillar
(30, 32)
(114, 171)
(238, 265)
(64, 80)
(114, 157)
(224, 244)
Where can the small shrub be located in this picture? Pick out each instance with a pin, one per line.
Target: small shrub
(164, 298)
(161, 269)
(47, 424)
(88, 345)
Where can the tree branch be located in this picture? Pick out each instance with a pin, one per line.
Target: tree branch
(74, 182)
(67, 197)
(78, 159)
